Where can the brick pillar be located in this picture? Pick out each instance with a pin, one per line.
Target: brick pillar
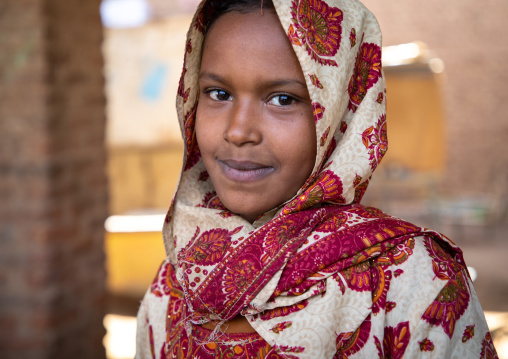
(53, 187)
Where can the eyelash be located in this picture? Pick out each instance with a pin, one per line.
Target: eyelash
(214, 92)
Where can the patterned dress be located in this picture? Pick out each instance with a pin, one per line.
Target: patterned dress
(320, 276)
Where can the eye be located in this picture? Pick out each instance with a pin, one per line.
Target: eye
(219, 95)
(282, 100)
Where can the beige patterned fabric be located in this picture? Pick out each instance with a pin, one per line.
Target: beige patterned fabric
(319, 276)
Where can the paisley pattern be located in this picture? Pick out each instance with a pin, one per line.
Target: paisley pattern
(317, 26)
(320, 276)
(375, 140)
(366, 73)
(488, 350)
(426, 345)
(352, 342)
(454, 298)
(468, 333)
(395, 341)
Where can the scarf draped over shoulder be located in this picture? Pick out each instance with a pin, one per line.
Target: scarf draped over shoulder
(320, 275)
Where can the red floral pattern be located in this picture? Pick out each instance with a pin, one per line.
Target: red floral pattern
(426, 345)
(395, 341)
(367, 72)
(452, 301)
(376, 141)
(210, 247)
(203, 176)
(193, 154)
(315, 81)
(358, 277)
(488, 350)
(161, 284)
(380, 286)
(397, 255)
(328, 188)
(279, 328)
(352, 342)
(468, 333)
(324, 137)
(282, 311)
(352, 37)
(316, 26)
(319, 111)
(211, 200)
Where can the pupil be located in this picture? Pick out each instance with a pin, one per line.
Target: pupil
(222, 95)
(285, 100)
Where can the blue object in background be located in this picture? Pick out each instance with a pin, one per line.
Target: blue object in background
(153, 83)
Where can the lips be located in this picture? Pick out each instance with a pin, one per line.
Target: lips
(244, 171)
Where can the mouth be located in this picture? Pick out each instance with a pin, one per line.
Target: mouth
(244, 171)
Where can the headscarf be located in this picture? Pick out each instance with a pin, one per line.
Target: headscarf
(296, 258)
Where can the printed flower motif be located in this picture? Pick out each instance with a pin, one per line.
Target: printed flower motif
(331, 223)
(203, 176)
(488, 350)
(281, 326)
(193, 154)
(351, 342)
(343, 127)
(352, 37)
(390, 306)
(161, 284)
(331, 147)
(324, 137)
(426, 345)
(212, 201)
(210, 247)
(277, 237)
(395, 341)
(316, 26)
(468, 333)
(315, 81)
(398, 272)
(358, 277)
(375, 140)
(319, 111)
(288, 349)
(360, 191)
(240, 274)
(152, 345)
(367, 72)
(181, 86)
(283, 311)
(380, 286)
(328, 188)
(225, 214)
(398, 254)
(380, 98)
(453, 300)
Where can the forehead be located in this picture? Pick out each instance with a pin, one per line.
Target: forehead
(257, 42)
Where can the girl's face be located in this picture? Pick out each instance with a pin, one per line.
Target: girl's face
(254, 123)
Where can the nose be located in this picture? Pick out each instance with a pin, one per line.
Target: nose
(243, 125)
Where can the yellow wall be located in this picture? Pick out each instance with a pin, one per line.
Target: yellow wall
(132, 261)
(416, 138)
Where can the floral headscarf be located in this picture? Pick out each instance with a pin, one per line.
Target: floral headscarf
(341, 60)
(302, 273)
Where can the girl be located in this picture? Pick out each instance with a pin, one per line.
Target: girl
(270, 254)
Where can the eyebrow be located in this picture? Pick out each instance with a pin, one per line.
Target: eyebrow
(271, 83)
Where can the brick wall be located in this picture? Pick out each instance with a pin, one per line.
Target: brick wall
(470, 37)
(53, 188)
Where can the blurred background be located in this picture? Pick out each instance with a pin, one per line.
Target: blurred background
(91, 151)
